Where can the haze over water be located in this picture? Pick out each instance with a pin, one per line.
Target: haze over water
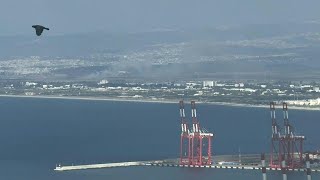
(36, 134)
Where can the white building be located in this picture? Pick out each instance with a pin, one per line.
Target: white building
(103, 82)
(31, 84)
(209, 83)
(221, 85)
(191, 84)
(239, 85)
(305, 86)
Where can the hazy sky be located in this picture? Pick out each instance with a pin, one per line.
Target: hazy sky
(73, 16)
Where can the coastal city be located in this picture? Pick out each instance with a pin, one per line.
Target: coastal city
(300, 94)
(160, 90)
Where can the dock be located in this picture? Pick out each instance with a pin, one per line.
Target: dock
(98, 166)
(249, 162)
(140, 163)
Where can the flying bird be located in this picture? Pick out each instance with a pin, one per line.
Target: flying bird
(39, 29)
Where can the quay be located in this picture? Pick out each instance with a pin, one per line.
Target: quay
(248, 162)
(98, 166)
(141, 163)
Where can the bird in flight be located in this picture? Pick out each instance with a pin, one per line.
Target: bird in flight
(39, 29)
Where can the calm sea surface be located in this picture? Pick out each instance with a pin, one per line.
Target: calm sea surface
(36, 134)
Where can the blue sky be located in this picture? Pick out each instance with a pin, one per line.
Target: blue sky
(74, 16)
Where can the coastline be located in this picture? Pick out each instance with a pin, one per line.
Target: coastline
(88, 98)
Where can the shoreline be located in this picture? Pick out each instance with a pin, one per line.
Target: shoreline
(88, 98)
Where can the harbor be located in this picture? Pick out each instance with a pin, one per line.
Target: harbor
(287, 153)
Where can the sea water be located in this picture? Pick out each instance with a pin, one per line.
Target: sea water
(36, 134)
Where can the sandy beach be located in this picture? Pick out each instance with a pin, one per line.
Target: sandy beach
(87, 98)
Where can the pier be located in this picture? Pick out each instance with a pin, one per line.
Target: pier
(98, 166)
(248, 162)
(142, 163)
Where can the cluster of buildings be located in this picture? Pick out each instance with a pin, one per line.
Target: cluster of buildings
(248, 92)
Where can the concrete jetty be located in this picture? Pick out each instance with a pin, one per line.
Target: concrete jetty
(98, 166)
(248, 162)
(161, 164)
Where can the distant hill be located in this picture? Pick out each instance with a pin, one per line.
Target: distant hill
(286, 51)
